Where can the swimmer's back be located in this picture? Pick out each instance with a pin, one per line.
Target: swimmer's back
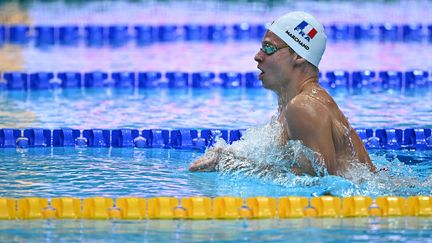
(348, 148)
(348, 145)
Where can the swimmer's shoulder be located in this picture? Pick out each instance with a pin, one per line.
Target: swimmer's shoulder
(312, 102)
(304, 108)
(318, 97)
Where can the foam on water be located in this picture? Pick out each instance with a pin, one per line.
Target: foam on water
(258, 154)
(259, 151)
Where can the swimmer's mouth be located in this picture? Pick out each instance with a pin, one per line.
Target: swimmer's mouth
(262, 72)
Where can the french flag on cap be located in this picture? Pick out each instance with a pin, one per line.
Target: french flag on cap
(306, 28)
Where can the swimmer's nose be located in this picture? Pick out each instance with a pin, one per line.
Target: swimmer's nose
(259, 56)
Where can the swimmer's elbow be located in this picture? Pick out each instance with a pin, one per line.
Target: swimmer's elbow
(372, 167)
(368, 162)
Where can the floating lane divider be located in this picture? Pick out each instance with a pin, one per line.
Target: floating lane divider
(154, 138)
(375, 81)
(388, 138)
(206, 208)
(117, 35)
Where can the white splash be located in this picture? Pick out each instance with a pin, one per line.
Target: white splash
(259, 154)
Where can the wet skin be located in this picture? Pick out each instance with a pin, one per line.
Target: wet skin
(306, 112)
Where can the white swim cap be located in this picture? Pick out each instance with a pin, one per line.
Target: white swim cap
(303, 33)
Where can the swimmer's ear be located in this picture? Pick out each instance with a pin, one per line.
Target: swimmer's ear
(298, 60)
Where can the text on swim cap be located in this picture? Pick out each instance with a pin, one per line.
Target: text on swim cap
(297, 40)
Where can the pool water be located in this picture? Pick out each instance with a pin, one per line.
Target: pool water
(216, 57)
(293, 230)
(117, 172)
(195, 109)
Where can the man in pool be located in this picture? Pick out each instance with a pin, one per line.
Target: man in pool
(288, 60)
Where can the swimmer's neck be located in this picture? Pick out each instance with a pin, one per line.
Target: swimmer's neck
(293, 88)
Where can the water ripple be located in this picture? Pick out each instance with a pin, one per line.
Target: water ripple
(86, 172)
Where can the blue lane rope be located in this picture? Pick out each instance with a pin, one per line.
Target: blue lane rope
(331, 80)
(117, 35)
(388, 138)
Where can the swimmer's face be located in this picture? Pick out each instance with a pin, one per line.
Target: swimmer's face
(274, 61)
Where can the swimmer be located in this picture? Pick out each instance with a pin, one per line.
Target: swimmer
(288, 60)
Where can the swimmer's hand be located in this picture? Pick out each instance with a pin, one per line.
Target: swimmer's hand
(208, 162)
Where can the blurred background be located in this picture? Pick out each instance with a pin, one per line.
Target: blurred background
(403, 27)
(377, 49)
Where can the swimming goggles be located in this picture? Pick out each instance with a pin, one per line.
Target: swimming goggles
(269, 49)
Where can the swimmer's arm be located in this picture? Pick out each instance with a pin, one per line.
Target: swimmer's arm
(311, 125)
(211, 161)
(208, 162)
